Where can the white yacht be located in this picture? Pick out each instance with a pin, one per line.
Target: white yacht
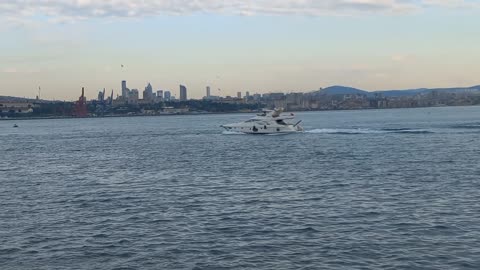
(267, 122)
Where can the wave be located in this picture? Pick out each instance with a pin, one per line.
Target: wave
(232, 133)
(350, 131)
(410, 131)
(342, 131)
(467, 126)
(354, 131)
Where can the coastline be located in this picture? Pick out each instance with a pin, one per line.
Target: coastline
(210, 113)
(114, 116)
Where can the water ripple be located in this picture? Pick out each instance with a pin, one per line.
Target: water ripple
(174, 193)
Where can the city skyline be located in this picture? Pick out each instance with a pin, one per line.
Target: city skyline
(258, 46)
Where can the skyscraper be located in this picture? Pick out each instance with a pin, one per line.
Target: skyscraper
(208, 91)
(247, 94)
(133, 97)
(101, 96)
(124, 89)
(160, 95)
(239, 94)
(183, 93)
(167, 95)
(148, 93)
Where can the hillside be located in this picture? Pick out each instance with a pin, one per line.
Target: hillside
(342, 90)
(345, 90)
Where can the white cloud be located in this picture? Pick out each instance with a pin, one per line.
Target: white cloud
(73, 10)
(9, 70)
(452, 3)
(15, 70)
(402, 58)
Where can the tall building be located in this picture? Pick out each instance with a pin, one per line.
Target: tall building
(124, 89)
(160, 95)
(239, 94)
(133, 97)
(183, 93)
(111, 99)
(101, 96)
(208, 91)
(247, 94)
(167, 95)
(148, 93)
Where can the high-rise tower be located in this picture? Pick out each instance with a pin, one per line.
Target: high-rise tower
(148, 93)
(124, 89)
(183, 93)
(167, 95)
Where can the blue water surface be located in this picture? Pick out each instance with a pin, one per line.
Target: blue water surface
(373, 189)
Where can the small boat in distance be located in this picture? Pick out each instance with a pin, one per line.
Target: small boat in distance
(15, 126)
(267, 122)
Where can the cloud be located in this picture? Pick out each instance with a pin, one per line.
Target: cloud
(9, 70)
(73, 10)
(402, 58)
(15, 70)
(452, 3)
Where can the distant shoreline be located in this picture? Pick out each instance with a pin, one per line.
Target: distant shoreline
(210, 113)
(113, 116)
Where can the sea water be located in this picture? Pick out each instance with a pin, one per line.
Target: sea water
(373, 189)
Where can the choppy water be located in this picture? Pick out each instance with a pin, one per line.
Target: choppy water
(391, 189)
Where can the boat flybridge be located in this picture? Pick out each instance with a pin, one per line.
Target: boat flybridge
(267, 122)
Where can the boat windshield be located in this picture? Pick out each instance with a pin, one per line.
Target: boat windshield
(281, 122)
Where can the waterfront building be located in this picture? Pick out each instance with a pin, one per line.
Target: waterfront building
(212, 98)
(183, 93)
(167, 95)
(274, 96)
(208, 91)
(124, 90)
(101, 96)
(159, 95)
(257, 97)
(294, 101)
(133, 97)
(148, 93)
(239, 94)
(16, 107)
(232, 100)
(109, 100)
(172, 110)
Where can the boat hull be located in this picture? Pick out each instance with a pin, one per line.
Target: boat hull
(263, 129)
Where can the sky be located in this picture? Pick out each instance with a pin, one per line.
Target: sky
(258, 46)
